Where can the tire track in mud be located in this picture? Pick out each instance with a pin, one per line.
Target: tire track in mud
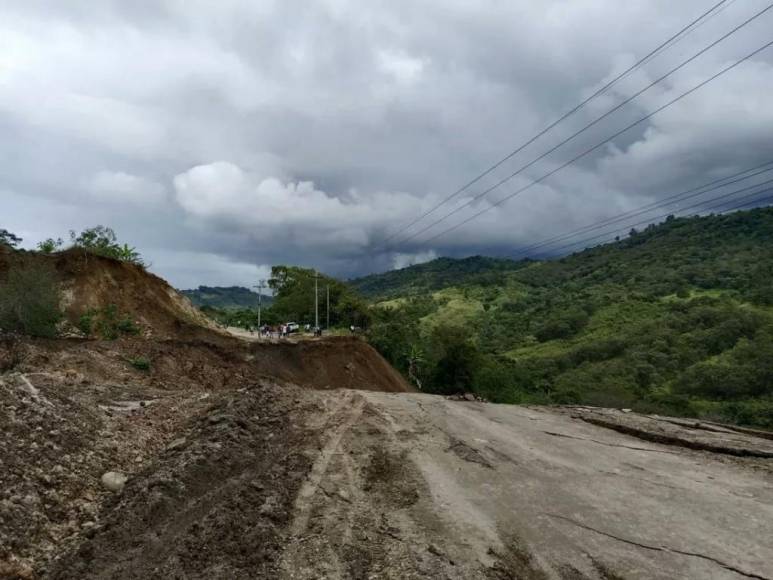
(304, 501)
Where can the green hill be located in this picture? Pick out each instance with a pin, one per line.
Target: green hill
(434, 275)
(231, 297)
(677, 318)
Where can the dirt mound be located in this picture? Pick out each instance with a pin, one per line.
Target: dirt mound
(340, 362)
(93, 283)
(220, 363)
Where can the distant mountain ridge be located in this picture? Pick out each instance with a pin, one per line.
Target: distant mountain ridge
(226, 297)
(435, 275)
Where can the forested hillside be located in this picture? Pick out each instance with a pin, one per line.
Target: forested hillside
(677, 318)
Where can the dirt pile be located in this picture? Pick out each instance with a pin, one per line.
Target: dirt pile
(93, 283)
(338, 362)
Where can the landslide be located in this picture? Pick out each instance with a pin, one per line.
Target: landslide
(209, 430)
(91, 283)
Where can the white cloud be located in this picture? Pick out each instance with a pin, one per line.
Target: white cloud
(185, 270)
(400, 261)
(269, 207)
(125, 188)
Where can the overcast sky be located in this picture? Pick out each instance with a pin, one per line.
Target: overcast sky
(223, 137)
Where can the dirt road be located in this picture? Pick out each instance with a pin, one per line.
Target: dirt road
(417, 486)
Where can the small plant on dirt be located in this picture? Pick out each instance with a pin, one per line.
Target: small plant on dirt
(127, 326)
(86, 322)
(106, 323)
(140, 363)
(29, 301)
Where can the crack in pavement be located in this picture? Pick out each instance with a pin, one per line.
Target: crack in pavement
(658, 548)
(609, 444)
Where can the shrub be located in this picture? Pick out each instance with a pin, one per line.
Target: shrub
(127, 326)
(140, 363)
(107, 323)
(86, 322)
(29, 301)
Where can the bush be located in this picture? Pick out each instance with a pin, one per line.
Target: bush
(140, 363)
(107, 323)
(86, 323)
(29, 301)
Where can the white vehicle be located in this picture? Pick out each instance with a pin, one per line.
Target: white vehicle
(292, 327)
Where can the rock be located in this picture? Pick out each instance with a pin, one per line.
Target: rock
(176, 444)
(114, 481)
(469, 397)
(30, 500)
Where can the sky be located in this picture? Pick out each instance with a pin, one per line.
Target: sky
(220, 138)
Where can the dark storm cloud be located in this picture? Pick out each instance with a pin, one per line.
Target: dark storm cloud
(219, 137)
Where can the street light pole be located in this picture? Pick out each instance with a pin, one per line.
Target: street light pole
(260, 286)
(316, 301)
(327, 309)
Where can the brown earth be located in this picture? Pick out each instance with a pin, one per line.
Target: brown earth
(92, 282)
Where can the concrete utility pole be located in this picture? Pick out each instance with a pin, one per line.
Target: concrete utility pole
(260, 286)
(327, 309)
(316, 301)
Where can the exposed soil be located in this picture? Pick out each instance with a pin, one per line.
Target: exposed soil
(91, 282)
(71, 410)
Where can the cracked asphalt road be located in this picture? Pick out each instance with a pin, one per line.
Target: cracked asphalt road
(418, 486)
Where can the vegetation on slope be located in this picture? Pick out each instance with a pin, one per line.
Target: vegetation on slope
(677, 318)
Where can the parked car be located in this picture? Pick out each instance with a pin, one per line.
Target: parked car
(292, 327)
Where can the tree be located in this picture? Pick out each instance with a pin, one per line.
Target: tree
(102, 241)
(99, 239)
(50, 245)
(416, 360)
(293, 289)
(9, 239)
(457, 359)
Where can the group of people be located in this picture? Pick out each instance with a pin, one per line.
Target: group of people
(280, 331)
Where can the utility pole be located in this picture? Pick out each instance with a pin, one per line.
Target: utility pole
(316, 301)
(327, 309)
(260, 286)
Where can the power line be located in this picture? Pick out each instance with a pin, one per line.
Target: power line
(757, 202)
(669, 200)
(685, 31)
(589, 125)
(604, 142)
(651, 220)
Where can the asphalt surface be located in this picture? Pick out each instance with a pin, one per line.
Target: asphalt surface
(417, 486)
